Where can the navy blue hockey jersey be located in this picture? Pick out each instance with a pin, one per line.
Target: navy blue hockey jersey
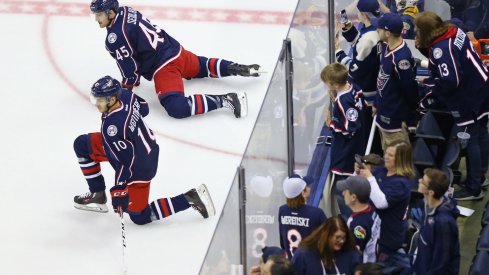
(397, 89)
(365, 226)
(296, 224)
(129, 144)
(347, 120)
(364, 59)
(458, 79)
(139, 47)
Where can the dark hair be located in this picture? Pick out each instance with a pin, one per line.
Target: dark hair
(319, 240)
(281, 265)
(369, 269)
(429, 26)
(438, 182)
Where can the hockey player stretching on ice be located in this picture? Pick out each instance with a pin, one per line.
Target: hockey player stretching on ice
(142, 49)
(130, 147)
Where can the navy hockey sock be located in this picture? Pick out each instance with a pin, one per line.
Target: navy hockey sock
(201, 104)
(90, 169)
(212, 67)
(165, 207)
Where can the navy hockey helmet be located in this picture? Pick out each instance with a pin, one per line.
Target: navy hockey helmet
(106, 87)
(104, 5)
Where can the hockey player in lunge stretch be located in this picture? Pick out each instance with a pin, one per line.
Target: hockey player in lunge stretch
(142, 49)
(130, 147)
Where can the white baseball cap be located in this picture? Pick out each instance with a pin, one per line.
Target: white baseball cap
(295, 184)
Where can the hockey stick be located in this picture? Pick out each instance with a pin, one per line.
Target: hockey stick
(124, 265)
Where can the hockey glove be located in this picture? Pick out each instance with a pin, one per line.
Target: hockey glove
(120, 197)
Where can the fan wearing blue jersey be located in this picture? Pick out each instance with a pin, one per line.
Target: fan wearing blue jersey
(330, 249)
(296, 219)
(390, 187)
(364, 42)
(459, 82)
(131, 149)
(363, 222)
(438, 245)
(397, 89)
(141, 48)
(346, 124)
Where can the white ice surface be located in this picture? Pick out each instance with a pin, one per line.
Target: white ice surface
(48, 64)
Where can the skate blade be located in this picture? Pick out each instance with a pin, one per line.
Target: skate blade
(94, 207)
(243, 102)
(256, 73)
(206, 196)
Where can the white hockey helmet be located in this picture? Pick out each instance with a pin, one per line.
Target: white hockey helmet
(403, 4)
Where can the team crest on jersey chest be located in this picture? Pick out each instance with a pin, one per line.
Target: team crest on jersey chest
(382, 79)
(112, 37)
(112, 130)
(437, 53)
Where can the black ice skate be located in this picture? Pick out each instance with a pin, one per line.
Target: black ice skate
(201, 200)
(236, 102)
(92, 202)
(244, 70)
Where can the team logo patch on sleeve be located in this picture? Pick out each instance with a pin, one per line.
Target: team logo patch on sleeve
(404, 64)
(360, 232)
(111, 130)
(112, 37)
(352, 114)
(406, 26)
(437, 53)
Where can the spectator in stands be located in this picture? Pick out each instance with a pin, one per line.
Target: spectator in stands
(391, 5)
(397, 89)
(368, 269)
(460, 82)
(346, 126)
(408, 10)
(273, 261)
(363, 222)
(330, 249)
(364, 61)
(390, 193)
(438, 245)
(296, 219)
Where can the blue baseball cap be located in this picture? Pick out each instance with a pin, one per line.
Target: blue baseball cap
(368, 6)
(391, 22)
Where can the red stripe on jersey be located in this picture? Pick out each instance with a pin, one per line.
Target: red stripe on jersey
(164, 207)
(91, 170)
(212, 67)
(198, 99)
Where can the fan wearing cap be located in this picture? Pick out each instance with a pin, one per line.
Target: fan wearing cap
(364, 59)
(408, 10)
(397, 98)
(296, 219)
(363, 222)
(273, 261)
